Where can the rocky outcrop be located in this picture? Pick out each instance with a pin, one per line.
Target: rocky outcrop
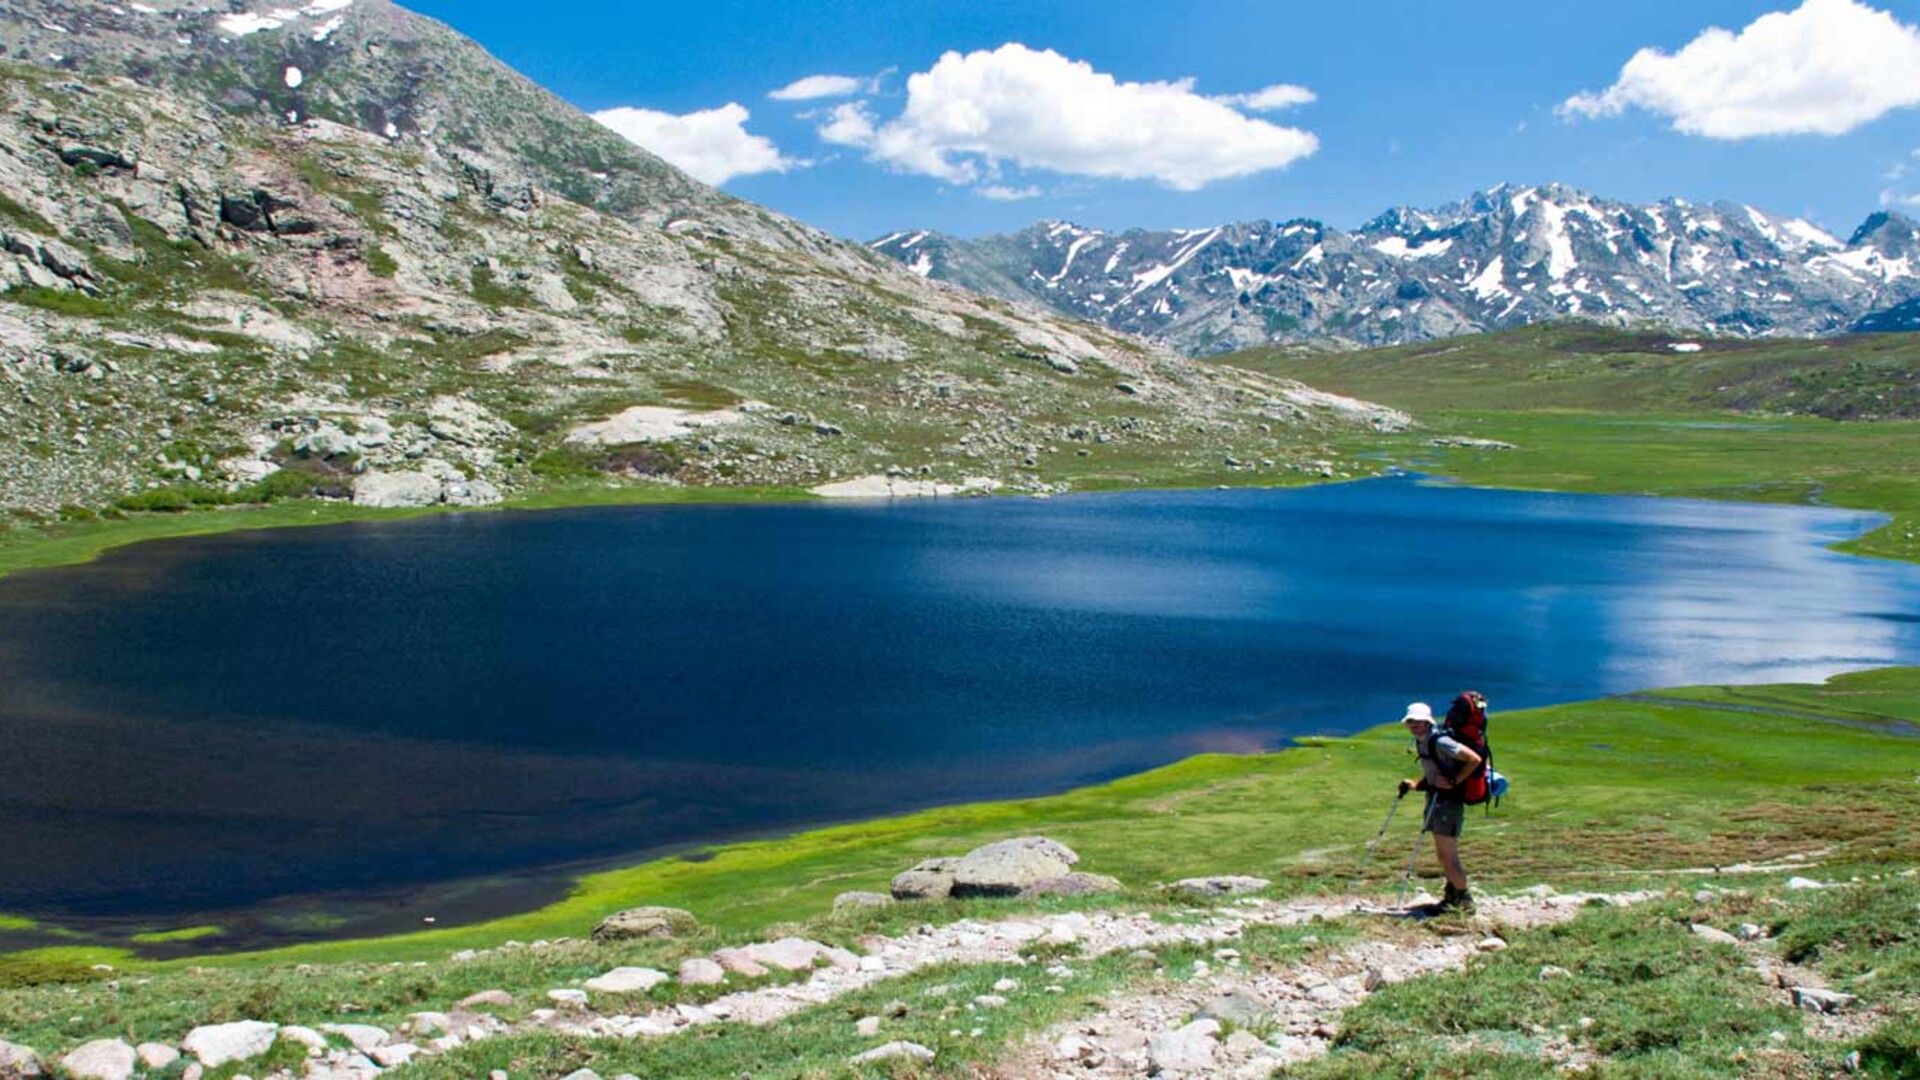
(217, 1044)
(646, 922)
(19, 1062)
(1026, 866)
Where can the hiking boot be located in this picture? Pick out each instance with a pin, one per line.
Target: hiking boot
(1454, 900)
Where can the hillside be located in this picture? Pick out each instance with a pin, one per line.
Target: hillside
(1761, 918)
(340, 250)
(1579, 366)
(1502, 258)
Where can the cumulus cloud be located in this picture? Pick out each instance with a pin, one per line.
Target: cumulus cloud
(1272, 98)
(972, 113)
(1824, 68)
(1003, 193)
(814, 87)
(711, 145)
(848, 124)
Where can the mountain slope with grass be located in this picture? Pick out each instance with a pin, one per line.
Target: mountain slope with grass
(338, 250)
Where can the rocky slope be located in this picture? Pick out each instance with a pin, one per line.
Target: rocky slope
(1502, 258)
(253, 251)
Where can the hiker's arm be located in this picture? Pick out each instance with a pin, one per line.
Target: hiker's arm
(1465, 762)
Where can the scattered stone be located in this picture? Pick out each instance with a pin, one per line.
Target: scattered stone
(1715, 935)
(1805, 883)
(646, 922)
(1074, 1048)
(990, 1001)
(894, 1051)
(582, 1074)
(1491, 944)
(1009, 866)
(1006, 986)
(867, 1027)
(486, 997)
(1554, 971)
(1236, 1007)
(1187, 1050)
(1749, 932)
(1227, 885)
(101, 1059)
(626, 980)
(1813, 999)
(568, 997)
(788, 954)
(305, 1036)
(362, 1037)
(701, 972)
(849, 901)
(155, 1056)
(217, 1044)
(393, 1054)
(19, 1062)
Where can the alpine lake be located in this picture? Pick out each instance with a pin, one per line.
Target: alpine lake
(344, 730)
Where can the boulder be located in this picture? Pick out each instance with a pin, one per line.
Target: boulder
(1714, 935)
(1813, 999)
(1007, 867)
(702, 972)
(931, 879)
(396, 490)
(1226, 885)
(848, 901)
(486, 997)
(787, 954)
(894, 1051)
(101, 1059)
(646, 922)
(217, 1044)
(472, 493)
(305, 1036)
(19, 1062)
(626, 980)
(1077, 883)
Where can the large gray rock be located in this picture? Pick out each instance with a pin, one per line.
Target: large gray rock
(396, 490)
(217, 1044)
(930, 879)
(646, 922)
(101, 1059)
(1187, 1050)
(1007, 867)
(700, 971)
(894, 1051)
(1236, 1007)
(19, 1062)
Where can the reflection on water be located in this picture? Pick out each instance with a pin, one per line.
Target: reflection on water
(217, 721)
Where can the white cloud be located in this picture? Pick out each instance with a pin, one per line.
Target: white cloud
(711, 145)
(848, 124)
(969, 114)
(814, 87)
(1003, 193)
(1272, 98)
(1824, 68)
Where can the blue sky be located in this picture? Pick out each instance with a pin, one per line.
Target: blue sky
(1803, 108)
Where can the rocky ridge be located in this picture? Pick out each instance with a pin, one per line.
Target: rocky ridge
(1509, 256)
(249, 251)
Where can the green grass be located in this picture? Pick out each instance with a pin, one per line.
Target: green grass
(1593, 368)
(187, 933)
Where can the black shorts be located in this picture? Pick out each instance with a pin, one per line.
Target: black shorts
(1445, 817)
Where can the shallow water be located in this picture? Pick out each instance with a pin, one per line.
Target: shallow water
(210, 723)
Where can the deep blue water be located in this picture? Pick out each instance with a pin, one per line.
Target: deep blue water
(209, 723)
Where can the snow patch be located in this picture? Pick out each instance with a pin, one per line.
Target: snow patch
(922, 264)
(1072, 250)
(1686, 346)
(1491, 282)
(1147, 279)
(1397, 248)
(1113, 260)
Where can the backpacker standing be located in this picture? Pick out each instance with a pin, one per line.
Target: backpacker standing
(1445, 764)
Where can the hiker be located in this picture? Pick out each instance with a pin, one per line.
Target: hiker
(1443, 762)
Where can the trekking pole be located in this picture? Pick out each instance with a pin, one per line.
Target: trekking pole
(1367, 855)
(1407, 878)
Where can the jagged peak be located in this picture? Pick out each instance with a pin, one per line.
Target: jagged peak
(1884, 226)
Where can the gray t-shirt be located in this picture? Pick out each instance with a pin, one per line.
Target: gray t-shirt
(1443, 747)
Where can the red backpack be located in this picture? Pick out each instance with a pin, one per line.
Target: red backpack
(1466, 724)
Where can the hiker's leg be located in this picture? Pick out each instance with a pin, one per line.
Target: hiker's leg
(1448, 819)
(1448, 848)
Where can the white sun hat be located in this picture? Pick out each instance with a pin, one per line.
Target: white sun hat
(1418, 712)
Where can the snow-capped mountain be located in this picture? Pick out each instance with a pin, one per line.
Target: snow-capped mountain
(1499, 258)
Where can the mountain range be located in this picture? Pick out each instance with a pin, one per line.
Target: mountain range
(1506, 257)
(257, 249)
